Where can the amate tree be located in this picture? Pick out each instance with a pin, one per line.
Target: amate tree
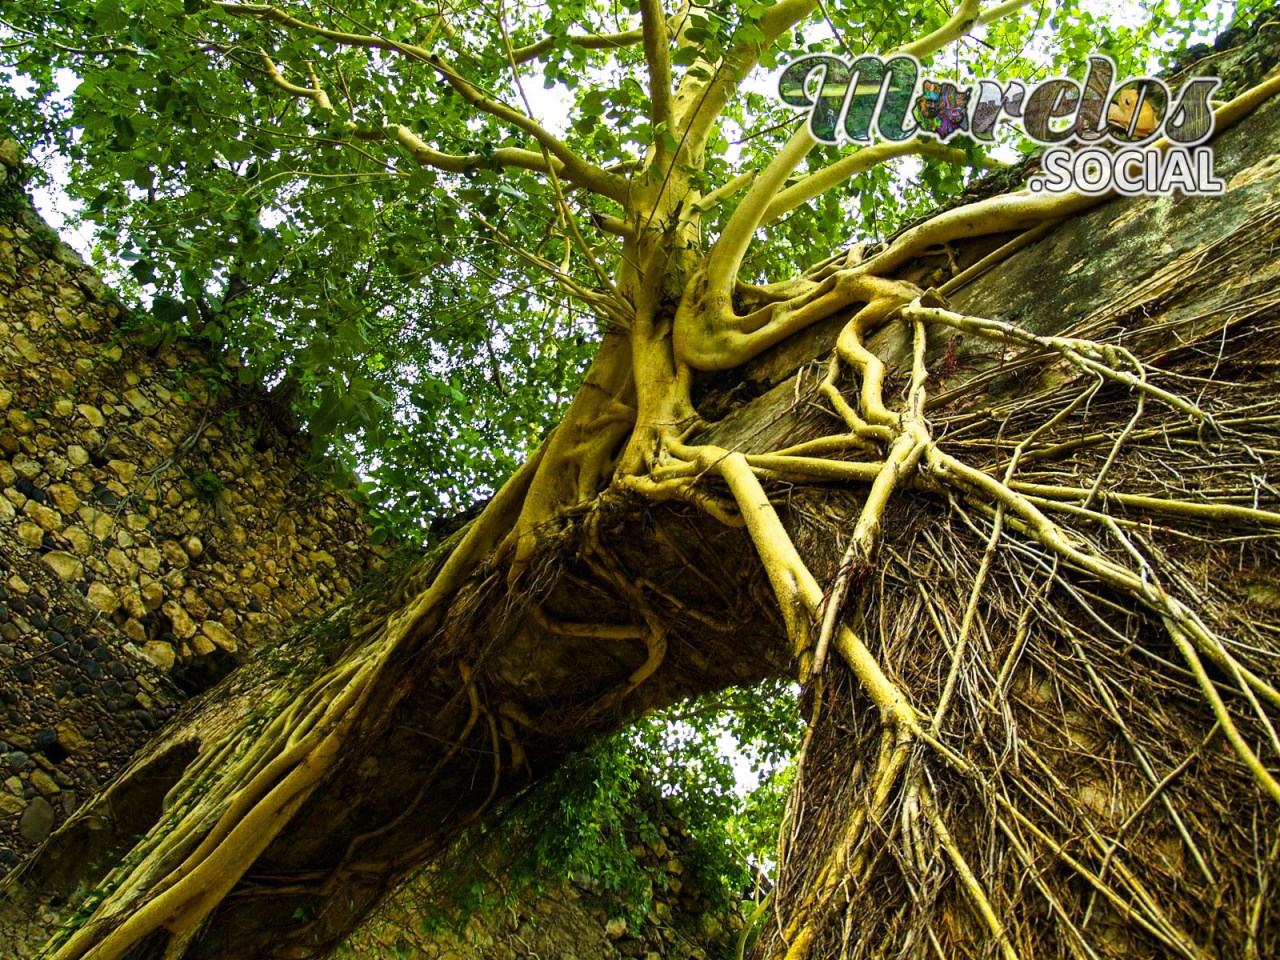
(998, 559)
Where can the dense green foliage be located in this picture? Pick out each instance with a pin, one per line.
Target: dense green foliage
(404, 311)
(608, 812)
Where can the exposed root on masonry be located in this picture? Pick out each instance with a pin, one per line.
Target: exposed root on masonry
(1015, 584)
(896, 812)
(932, 735)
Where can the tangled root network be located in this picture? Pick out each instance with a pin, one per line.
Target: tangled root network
(1052, 729)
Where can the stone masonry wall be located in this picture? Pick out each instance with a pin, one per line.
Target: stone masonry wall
(154, 525)
(568, 920)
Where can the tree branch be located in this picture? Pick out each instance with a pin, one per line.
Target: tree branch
(65, 48)
(821, 181)
(725, 190)
(595, 41)
(423, 153)
(728, 251)
(590, 41)
(566, 215)
(657, 52)
(428, 156)
(705, 97)
(761, 199)
(961, 21)
(575, 168)
(314, 93)
(263, 11)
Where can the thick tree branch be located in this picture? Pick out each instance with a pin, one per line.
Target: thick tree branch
(657, 53)
(724, 191)
(760, 200)
(821, 181)
(704, 92)
(423, 153)
(1024, 210)
(965, 17)
(726, 256)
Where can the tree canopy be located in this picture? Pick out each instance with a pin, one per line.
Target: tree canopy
(408, 212)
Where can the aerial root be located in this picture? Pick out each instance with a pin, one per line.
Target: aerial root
(1189, 634)
(247, 823)
(234, 800)
(973, 886)
(895, 449)
(653, 626)
(1106, 361)
(685, 490)
(890, 447)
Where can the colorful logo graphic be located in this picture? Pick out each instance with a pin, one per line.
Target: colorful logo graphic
(942, 109)
(1131, 137)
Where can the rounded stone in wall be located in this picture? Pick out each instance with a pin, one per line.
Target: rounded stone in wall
(37, 821)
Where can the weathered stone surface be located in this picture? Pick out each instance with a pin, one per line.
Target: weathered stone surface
(201, 645)
(92, 414)
(47, 518)
(44, 783)
(24, 467)
(101, 527)
(37, 821)
(222, 637)
(183, 625)
(71, 739)
(102, 598)
(140, 403)
(121, 565)
(28, 350)
(174, 553)
(66, 566)
(159, 653)
(149, 558)
(152, 595)
(64, 498)
(81, 540)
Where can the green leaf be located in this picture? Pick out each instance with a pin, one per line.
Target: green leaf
(167, 310)
(594, 103)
